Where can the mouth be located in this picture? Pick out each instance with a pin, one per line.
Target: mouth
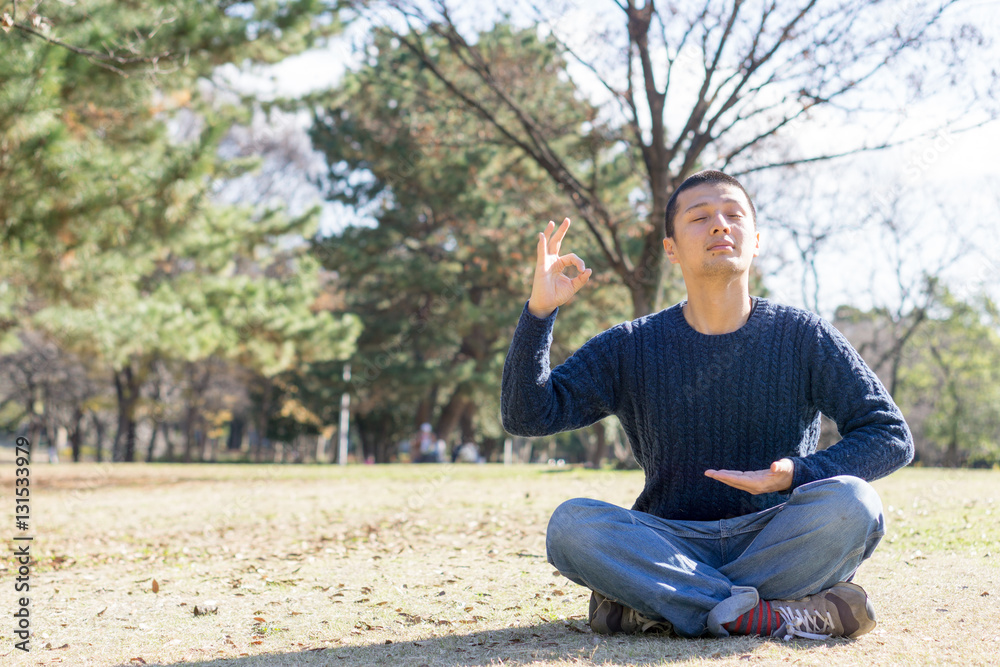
(722, 246)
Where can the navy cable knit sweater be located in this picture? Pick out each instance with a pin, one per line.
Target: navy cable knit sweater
(689, 402)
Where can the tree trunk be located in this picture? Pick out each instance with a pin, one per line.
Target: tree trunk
(169, 455)
(99, 428)
(75, 435)
(189, 434)
(235, 440)
(452, 412)
(425, 411)
(263, 418)
(602, 444)
(127, 392)
(952, 458)
(120, 430)
(487, 446)
(467, 423)
(152, 442)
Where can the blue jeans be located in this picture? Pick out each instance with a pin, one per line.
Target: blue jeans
(699, 575)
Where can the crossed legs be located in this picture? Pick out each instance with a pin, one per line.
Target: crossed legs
(699, 575)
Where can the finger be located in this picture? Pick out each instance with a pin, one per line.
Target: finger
(547, 233)
(572, 259)
(581, 279)
(548, 230)
(557, 238)
(726, 473)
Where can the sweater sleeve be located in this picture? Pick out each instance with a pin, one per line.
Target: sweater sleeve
(536, 400)
(875, 439)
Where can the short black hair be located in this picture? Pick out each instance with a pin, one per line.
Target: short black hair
(694, 180)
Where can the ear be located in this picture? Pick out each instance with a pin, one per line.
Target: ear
(756, 244)
(668, 246)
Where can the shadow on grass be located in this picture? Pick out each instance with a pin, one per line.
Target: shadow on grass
(556, 641)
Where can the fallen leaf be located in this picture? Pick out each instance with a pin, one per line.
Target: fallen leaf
(206, 607)
(156, 586)
(260, 619)
(139, 660)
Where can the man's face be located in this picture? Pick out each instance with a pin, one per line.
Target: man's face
(714, 232)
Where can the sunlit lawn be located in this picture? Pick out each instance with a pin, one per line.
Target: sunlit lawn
(435, 565)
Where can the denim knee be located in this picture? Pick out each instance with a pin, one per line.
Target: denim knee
(855, 495)
(847, 501)
(571, 529)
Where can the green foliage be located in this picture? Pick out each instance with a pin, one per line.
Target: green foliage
(952, 377)
(441, 281)
(112, 242)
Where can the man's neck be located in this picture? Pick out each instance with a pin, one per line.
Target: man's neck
(715, 310)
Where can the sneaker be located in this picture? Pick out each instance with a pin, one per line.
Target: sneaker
(608, 617)
(843, 610)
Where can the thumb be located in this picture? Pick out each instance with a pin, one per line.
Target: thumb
(582, 279)
(782, 465)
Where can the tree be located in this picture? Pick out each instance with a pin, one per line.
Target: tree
(44, 389)
(951, 378)
(109, 223)
(759, 70)
(441, 279)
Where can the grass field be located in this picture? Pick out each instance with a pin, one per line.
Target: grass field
(427, 565)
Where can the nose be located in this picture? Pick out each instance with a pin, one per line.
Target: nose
(721, 224)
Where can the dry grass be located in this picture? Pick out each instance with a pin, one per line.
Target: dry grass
(429, 565)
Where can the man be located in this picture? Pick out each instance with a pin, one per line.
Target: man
(742, 527)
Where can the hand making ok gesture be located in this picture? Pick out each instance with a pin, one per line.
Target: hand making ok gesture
(551, 288)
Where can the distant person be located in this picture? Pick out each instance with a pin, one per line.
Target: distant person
(467, 453)
(742, 526)
(426, 444)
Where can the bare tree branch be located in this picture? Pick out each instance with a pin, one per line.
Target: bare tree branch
(109, 60)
